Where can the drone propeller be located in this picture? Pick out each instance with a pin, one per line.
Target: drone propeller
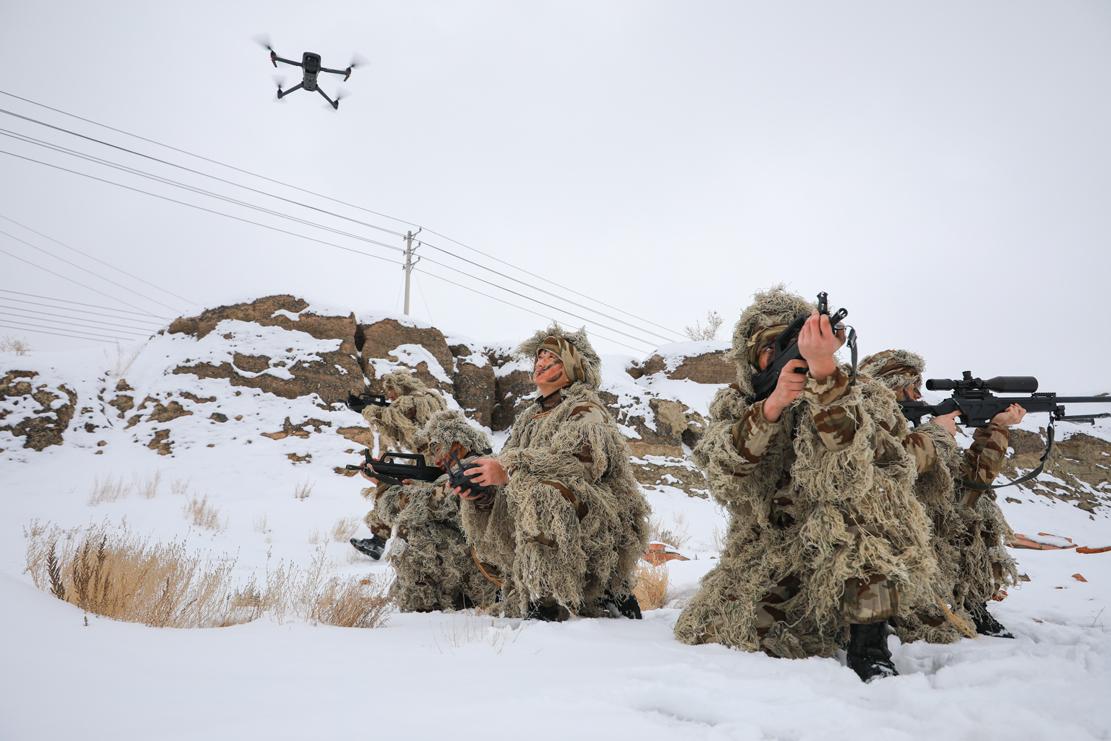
(279, 81)
(357, 60)
(263, 40)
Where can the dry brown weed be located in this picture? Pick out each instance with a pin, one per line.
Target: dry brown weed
(651, 586)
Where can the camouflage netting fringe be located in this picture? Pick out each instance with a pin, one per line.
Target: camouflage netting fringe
(400, 422)
(935, 490)
(563, 528)
(889, 534)
(446, 427)
(591, 363)
(986, 567)
(434, 566)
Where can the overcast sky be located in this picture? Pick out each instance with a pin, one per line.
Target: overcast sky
(943, 169)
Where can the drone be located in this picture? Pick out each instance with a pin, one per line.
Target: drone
(311, 66)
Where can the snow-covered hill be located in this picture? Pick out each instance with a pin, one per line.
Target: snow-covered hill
(241, 408)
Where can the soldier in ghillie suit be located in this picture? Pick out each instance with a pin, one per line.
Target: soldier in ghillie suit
(826, 537)
(969, 530)
(435, 570)
(411, 405)
(567, 522)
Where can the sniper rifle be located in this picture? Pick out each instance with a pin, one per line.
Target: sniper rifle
(973, 398)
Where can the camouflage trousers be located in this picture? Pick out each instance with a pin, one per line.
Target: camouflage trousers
(864, 601)
(374, 521)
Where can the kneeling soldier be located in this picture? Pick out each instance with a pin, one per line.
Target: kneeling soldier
(434, 566)
(566, 523)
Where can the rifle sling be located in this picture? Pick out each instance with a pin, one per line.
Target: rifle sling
(1049, 436)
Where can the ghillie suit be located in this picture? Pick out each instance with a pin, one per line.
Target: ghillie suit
(569, 526)
(968, 529)
(434, 566)
(825, 532)
(986, 567)
(943, 618)
(398, 425)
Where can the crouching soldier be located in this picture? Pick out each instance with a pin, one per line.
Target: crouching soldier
(411, 405)
(566, 523)
(826, 540)
(969, 530)
(433, 563)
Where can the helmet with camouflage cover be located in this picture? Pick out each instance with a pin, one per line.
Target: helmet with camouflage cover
(895, 369)
(402, 382)
(447, 427)
(580, 362)
(770, 313)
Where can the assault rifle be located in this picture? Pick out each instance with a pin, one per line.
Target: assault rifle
(389, 472)
(974, 399)
(365, 399)
(786, 349)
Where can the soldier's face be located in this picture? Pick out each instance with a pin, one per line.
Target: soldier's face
(909, 393)
(442, 456)
(391, 394)
(547, 369)
(764, 359)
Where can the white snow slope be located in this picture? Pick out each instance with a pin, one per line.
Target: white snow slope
(462, 675)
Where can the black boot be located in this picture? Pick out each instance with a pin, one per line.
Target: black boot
(987, 625)
(626, 606)
(867, 653)
(548, 610)
(373, 546)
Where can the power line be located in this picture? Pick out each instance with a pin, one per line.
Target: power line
(549, 280)
(81, 303)
(12, 324)
(331, 244)
(174, 183)
(191, 188)
(72, 324)
(542, 290)
(198, 207)
(71, 280)
(86, 270)
(97, 259)
(329, 198)
(40, 312)
(538, 301)
(21, 302)
(199, 172)
(57, 334)
(516, 306)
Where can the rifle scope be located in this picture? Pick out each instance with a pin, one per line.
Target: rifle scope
(1001, 384)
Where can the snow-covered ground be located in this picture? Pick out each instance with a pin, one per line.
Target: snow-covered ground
(463, 675)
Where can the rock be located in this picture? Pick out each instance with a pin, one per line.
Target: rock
(380, 339)
(512, 391)
(333, 377)
(160, 442)
(475, 390)
(297, 430)
(362, 435)
(708, 367)
(38, 413)
(218, 417)
(1079, 468)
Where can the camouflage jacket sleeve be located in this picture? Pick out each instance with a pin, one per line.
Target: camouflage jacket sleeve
(582, 447)
(984, 458)
(428, 502)
(923, 444)
(751, 435)
(835, 420)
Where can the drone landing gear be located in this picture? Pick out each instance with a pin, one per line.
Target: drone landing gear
(333, 103)
(295, 88)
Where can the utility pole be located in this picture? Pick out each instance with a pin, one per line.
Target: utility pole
(410, 263)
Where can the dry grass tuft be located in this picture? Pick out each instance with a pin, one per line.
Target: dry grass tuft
(345, 529)
(203, 515)
(14, 345)
(113, 489)
(111, 572)
(303, 490)
(262, 525)
(675, 534)
(651, 586)
(149, 488)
